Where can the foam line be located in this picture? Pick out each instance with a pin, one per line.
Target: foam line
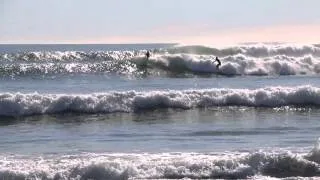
(18, 104)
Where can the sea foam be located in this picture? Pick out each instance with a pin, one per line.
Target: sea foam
(19, 104)
(226, 165)
(257, 60)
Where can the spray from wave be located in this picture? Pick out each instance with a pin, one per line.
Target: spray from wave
(259, 59)
(18, 104)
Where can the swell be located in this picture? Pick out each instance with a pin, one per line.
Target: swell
(258, 60)
(18, 104)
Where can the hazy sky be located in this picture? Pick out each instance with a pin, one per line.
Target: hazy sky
(186, 21)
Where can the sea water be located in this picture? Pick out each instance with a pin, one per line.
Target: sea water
(106, 112)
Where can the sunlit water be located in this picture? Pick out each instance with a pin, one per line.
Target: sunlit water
(154, 124)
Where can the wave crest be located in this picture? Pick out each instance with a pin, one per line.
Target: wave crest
(229, 165)
(29, 104)
(254, 50)
(240, 60)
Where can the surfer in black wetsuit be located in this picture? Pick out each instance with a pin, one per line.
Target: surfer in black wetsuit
(143, 65)
(219, 62)
(147, 55)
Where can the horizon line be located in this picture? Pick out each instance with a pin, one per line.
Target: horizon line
(61, 43)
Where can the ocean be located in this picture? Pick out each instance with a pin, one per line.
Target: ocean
(105, 111)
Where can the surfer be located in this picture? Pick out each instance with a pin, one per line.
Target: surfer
(219, 62)
(144, 63)
(147, 55)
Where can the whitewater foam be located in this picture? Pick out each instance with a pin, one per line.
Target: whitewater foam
(238, 60)
(227, 165)
(18, 104)
(253, 50)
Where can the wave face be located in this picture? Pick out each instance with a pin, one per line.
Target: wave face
(257, 59)
(18, 104)
(229, 165)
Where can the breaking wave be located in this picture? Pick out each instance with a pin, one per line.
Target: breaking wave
(18, 104)
(258, 59)
(259, 164)
(253, 50)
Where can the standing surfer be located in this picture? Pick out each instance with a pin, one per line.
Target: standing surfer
(147, 55)
(219, 62)
(144, 63)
